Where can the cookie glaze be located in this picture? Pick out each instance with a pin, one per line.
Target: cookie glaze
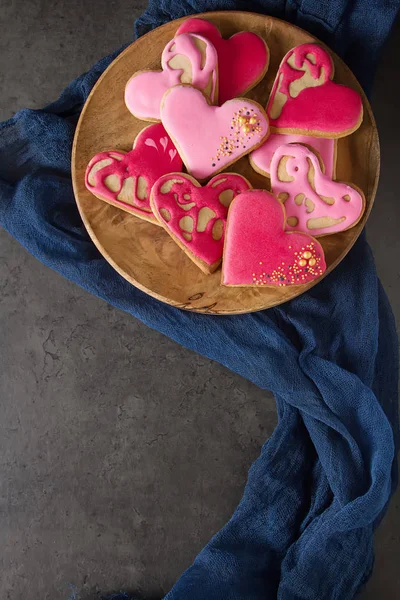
(144, 91)
(304, 100)
(126, 179)
(313, 202)
(195, 216)
(242, 59)
(258, 252)
(209, 138)
(261, 158)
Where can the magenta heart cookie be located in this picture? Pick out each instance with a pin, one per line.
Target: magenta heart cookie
(125, 179)
(313, 202)
(305, 100)
(209, 138)
(188, 58)
(259, 252)
(195, 216)
(242, 59)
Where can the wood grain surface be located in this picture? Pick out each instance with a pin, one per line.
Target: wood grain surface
(145, 254)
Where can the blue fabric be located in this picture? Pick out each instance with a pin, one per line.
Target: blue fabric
(304, 527)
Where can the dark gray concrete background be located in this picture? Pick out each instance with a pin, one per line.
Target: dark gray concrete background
(121, 453)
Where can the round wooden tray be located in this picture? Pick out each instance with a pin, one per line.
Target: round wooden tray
(145, 254)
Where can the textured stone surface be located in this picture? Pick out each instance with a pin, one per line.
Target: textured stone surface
(121, 453)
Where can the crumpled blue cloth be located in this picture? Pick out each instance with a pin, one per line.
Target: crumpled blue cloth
(304, 528)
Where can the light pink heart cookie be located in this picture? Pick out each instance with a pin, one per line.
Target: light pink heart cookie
(313, 202)
(125, 179)
(188, 58)
(259, 252)
(209, 138)
(261, 158)
(195, 216)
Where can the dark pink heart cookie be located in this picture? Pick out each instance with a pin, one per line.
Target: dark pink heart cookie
(305, 100)
(195, 216)
(242, 59)
(125, 179)
(259, 252)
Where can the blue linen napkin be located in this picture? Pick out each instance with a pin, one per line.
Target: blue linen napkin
(304, 528)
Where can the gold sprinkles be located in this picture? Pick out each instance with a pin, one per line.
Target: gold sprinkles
(306, 266)
(245, 124)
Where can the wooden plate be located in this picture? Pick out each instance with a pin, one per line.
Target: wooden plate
(145, 254)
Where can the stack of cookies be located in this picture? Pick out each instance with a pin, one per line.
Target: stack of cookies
(180, 173)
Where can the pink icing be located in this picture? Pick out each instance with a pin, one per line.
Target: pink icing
(298, 166)
(144, 91)
(242, 59)
(329, 108)
(153, 155)
(261, 158)
(202, 245)
(257, 250)
(209, 138)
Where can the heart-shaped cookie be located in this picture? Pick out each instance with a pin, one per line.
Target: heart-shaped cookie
(304, 100)
(195, 216)
(242, 59)
(261, 158)
(209, 138)
(125, 179)
(259, 252)
(313, 202)
(188, 58)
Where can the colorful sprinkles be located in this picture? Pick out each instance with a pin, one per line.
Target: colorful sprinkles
(245, 124)
(306, 266)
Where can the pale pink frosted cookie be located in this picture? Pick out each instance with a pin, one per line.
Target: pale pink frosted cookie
(209, 138)
(261, 158)
(125, 179)
(259, 252)
(313, 202)
(305, 101)
(242, 59)
(188, 58)
(195, 216)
